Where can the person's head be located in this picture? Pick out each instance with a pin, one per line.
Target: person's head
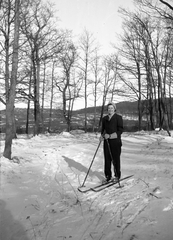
(111, 108)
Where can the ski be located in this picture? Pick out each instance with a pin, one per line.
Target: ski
(86, 189)
(102, 186)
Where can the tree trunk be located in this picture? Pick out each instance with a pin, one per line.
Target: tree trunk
(170, 104)
(28, 105)
(51, 98)
(36, 72)
(85, 123)
(27, 117)
(139, 97)
(43, 94)
(95, 104)
(12, 90)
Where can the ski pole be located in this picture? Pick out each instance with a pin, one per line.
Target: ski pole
(112, 160)
(91, 164)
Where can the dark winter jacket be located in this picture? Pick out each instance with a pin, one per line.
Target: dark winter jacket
(115, 124)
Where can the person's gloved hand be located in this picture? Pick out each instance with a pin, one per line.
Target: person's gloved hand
(106, 136)
(113, 135)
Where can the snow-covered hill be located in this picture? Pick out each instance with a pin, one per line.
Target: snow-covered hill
(40, 200)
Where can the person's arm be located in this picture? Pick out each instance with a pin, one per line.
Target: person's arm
(113, 135)
(119, 128)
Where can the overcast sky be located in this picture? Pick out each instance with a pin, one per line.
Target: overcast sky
(99, 17)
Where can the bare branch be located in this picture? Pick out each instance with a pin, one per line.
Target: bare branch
(167, 4)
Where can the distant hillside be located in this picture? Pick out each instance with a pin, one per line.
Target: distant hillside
(122, 108)
(58, 123)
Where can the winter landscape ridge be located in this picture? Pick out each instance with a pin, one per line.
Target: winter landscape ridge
(58, 124)
(40, 198)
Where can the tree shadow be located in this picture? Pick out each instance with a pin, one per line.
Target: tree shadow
(78, 166)
(10, 229)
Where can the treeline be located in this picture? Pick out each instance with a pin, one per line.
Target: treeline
(42, 66)
(58, 124)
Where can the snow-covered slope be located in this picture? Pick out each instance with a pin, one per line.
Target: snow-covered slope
(39, 198)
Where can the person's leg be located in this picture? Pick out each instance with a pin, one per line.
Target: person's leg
(107, 163)
(116, 152)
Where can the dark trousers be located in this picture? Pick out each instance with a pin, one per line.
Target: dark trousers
(115, 149)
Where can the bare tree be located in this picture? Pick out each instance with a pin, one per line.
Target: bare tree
(7, 35)
(148, 46)
(107, 82)
(67, 86)
(52, 92)
(162, 53)
(131, 52)
(96, 82)
(12, 87)
(86, 48)
(44, 41)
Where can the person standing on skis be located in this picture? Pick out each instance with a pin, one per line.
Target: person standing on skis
(112, 128)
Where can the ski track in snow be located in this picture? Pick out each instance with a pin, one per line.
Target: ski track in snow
(47, 170)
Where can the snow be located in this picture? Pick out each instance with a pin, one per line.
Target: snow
(40, 200)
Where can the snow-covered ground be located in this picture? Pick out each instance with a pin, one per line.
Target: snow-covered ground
(40, 200)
